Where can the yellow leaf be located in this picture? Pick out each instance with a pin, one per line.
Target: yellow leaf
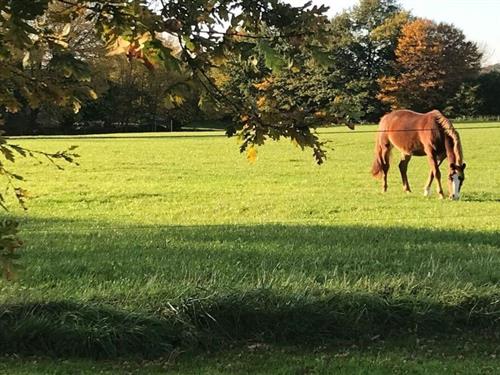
(261, 102)
(177, 99)
(76, 106)
(264, 85)
(143, 39)
(62, 43)
(252, 154)
(26, 60)
(92, 94)
(66, 30)
(120, 46)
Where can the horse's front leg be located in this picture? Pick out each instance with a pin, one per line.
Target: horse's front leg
(436, 173)
(427, 188)
(403, 168)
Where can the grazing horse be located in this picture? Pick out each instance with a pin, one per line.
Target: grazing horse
(420, 134)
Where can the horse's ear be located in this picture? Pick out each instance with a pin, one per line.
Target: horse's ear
(463, 166)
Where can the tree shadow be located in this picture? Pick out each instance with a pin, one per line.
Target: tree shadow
(222, 284)
(69, 329)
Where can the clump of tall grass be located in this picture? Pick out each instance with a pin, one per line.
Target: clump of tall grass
(92, 330)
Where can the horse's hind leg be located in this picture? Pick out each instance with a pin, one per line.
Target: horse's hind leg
(403, 168)
(386, 155)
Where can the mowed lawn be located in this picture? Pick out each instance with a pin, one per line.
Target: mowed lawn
(165, 243)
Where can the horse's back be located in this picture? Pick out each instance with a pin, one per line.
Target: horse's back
(409, 131)
(404, 119)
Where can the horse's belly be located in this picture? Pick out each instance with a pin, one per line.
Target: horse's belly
(409, 146)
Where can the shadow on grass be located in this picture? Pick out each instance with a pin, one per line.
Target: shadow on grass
(97, 331)
(481, 197)
(106, 329)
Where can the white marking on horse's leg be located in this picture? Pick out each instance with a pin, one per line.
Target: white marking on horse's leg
(455, 186)
(427, 191)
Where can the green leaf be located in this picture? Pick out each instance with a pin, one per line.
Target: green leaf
(8, 154)
(189, 43)
(272, 58)
(159, 53)
(320, 57)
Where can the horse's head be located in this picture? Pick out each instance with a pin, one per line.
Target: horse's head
(456, 179)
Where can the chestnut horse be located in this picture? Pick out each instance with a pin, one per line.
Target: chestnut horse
(420, 134)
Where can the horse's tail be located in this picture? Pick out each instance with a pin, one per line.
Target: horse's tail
(377, 166)
(379, 162)
(449, 130)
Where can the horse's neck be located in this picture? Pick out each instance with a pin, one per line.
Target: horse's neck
(450, 150)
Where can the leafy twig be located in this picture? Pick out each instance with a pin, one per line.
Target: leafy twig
(9, 152)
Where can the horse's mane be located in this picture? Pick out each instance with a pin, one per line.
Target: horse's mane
(449, 130)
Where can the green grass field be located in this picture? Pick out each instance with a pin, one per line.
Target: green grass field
(159, 244)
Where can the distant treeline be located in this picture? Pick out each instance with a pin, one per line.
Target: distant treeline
(375, 57)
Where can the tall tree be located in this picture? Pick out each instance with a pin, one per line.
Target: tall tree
(137, 99)
(362, 47)
(489, 92)
(307, 94)
(432, 62)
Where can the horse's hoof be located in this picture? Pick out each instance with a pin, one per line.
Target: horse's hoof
(427, 192)
(441, 196)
